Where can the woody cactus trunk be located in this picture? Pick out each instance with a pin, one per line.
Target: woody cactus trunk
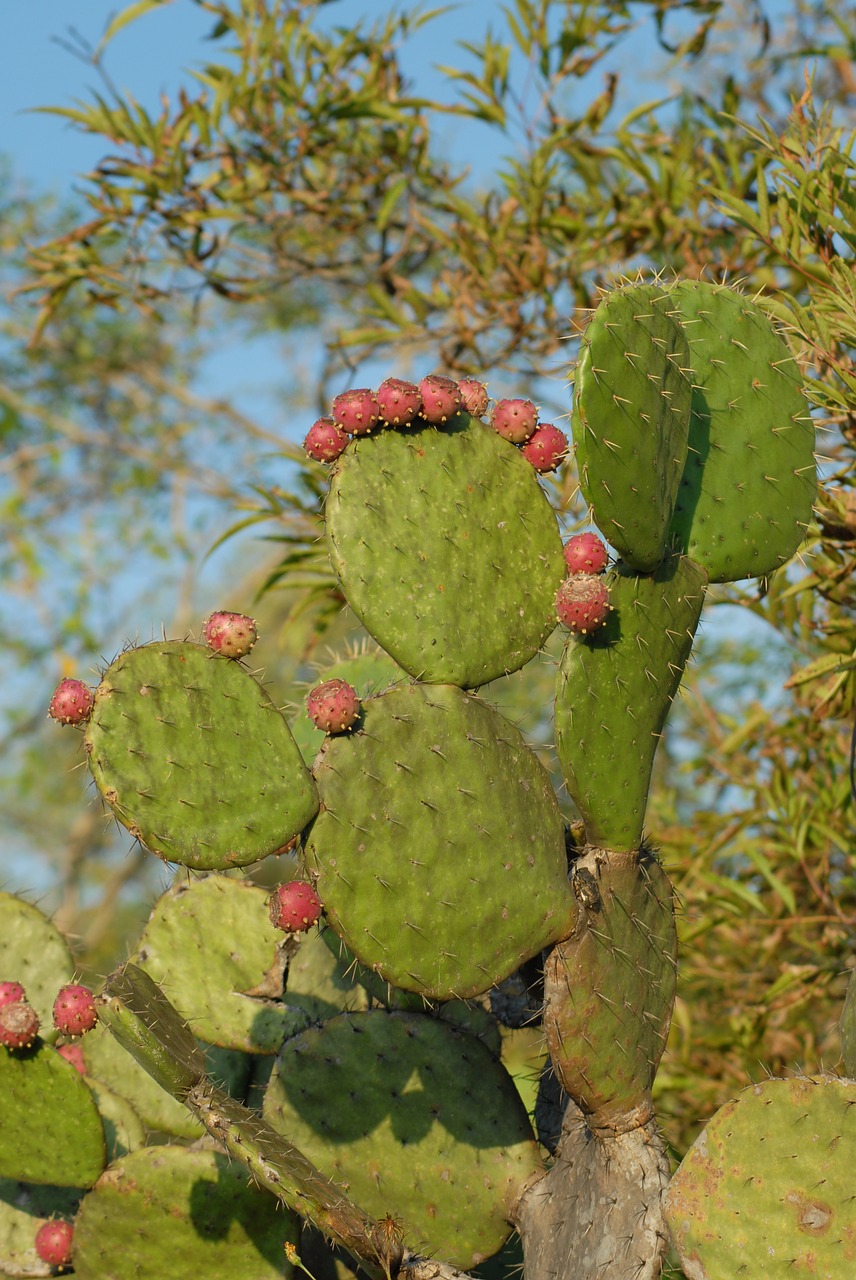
(367, 1074)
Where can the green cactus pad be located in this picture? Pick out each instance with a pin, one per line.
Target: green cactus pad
(369, 670)
(194, 758)
(416, 1119)
(321, 982)
(51, 1132)
(439, 850)
(631, 419)
(613, 694)
(108, 1063)
(767, 1187)
(171, 1211)
(34, 953)
(446, 548)
(208, 943)
(123, 1129)
(746, 494)
(609, 989)
(23, 1208)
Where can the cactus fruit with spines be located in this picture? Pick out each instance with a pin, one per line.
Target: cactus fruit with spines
(362, 1076)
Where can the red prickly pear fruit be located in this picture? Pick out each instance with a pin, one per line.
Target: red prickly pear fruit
(441, 398)
(585, 553)
(356, 411)
(73, 1053)
(232, 634)
(72, 702)
(333, 706)
(514, 420)
(582, 603)
(473, 396)
(399, 402)
(53, 1242)
(546, 448)
(74, 1010)
(294, 907)
(324, 441)
(19, 1025)
(12, 993)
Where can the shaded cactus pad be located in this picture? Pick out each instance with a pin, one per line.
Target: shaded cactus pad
(446, 548)
(439, 848)
(416, 1119)
(171, 1211)
(631, 419)
(767, 1188)
(194, 758)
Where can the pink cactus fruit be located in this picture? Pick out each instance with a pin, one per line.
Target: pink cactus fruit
(232, 634)
(324, 441)
(54, 1242)
(72, 702)
(73, 1053)
(399, 402)
(441, 398)
(585, 553)
(294, 907)
(356, 411)
(582, 603)
(514, 420)
(11, 993)
(19, 1025)
(546, 448)
(333, 706)
(473, 396)
(74, 1010)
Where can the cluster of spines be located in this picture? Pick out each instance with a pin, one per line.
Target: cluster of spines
(433, 401)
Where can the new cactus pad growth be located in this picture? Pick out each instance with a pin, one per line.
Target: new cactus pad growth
(363, 1076)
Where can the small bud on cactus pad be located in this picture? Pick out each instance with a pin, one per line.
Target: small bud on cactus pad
(73, 1054)
(546, 448)
(53, 1242)
(324, 441)
(441, 398)
(514, 420)
(74, 1010)
(71, 703)
(356, 411)
(333, 706)
(19, 1025)
(294, 907)
(11, 993)
(582, 603)
(473, 396)
(585, 553)
(232, 634)
(399, 402)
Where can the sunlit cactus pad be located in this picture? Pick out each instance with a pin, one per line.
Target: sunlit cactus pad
(416, 1120)
(171, 1211)
(50, 1129)
(23, 1209)
(613, 693)
(34, 953)
(746, 495)
(447, 549)
(610, 988)
(439, 847)
(767, 1187)
(631, 419)
(194, 758)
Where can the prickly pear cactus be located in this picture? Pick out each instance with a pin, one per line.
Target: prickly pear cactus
(369, 1074)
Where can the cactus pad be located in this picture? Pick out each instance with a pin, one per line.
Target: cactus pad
(34, 953)
(767, 1187)
(446, 548)
(746, 495)
(194, 758)
(170, 1211)
(385, 1103)
(439, 849)
(613, 694)
(631, 419)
